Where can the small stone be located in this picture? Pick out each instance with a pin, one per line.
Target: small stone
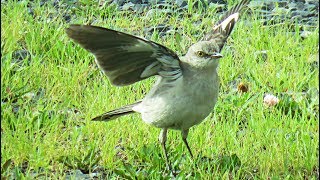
(15, 109)
(270, 100)
(139, 8)
(128, 6)
(305, 34)
(154, 2)
(219, 8)
(42, 3)
(256, 5)
(312, 21)
(19, 55)
(278, 11)
(181, 3)
(67, 17)
(77, 174)
(217, 1)
(163, 6)
(300, 5)
(311, 7)
(29, 96)
(313, 58)
(268, 5)
(160, 28)
(264, 12)
(292, 6)
(119, 2)
(241, 133)
(297, 17)
(153, 12)
(261, 55)
(313, 2)
(199, 4)
(136, 1)
(282, 3)
(313, 61)
(256, 170)
(30, 11)
(56, 3)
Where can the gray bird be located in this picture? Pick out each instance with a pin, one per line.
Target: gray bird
(187, 87)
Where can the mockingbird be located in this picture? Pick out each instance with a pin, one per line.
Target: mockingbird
(187, 87)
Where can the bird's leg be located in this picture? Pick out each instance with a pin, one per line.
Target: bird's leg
(162, 140)
(184, 134)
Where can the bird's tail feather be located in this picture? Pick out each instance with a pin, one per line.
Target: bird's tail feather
(110, 115)
(224, 26)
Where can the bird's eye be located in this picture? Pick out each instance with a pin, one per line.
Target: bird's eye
(201, 53)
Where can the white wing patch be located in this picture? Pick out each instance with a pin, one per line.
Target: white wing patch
(225, 23)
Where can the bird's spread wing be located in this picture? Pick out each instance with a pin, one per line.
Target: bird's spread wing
(224, 26)
(124, 58)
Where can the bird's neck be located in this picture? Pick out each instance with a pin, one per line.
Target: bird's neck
(204, 72)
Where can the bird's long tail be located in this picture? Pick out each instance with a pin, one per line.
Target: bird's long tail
(110, 115)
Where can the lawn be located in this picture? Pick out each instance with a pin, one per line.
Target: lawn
(51, 88)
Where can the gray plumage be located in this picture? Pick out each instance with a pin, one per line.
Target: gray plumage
(187, 87)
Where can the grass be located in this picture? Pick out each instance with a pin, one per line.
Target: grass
(48, 99)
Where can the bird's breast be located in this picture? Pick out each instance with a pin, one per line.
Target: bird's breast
(181, 106)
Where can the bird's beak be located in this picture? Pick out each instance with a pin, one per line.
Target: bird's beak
(216, 55)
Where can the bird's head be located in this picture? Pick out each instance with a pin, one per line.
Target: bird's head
(203, 54)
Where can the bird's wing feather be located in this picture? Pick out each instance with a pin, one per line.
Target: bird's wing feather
(224, 26)
(124, 58)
